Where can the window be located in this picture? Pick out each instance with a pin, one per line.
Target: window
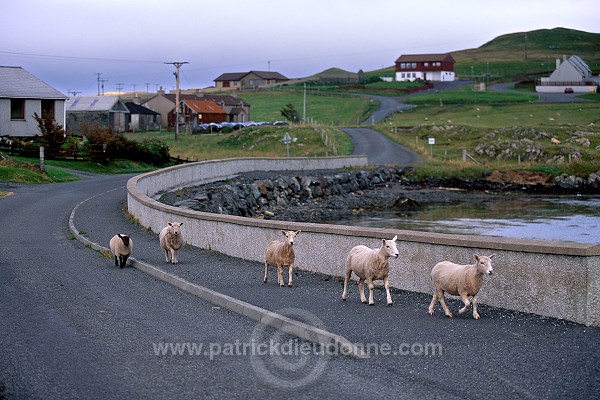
(414, 65)
(426, 64)
(17, 109)
(402, 65)
(48, 108)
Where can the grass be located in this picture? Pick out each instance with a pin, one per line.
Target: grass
(262, 141)
(12, 170)
(532, 136)
(112, 167)
(323, 108)
(466, 95)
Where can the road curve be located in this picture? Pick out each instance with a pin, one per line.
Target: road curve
(379, 149)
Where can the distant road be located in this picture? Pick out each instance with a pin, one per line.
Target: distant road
(379, 149)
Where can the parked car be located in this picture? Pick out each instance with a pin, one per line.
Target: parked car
(201, 128)
(280, 123)
(568, 90)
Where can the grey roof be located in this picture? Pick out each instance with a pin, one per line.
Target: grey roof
(15, 82)
(580, 65)
(96, 103)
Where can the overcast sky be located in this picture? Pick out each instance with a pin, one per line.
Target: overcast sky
(66, 42)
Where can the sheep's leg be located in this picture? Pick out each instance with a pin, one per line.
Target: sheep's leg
(116, 261)
(290, 271)
(465, 299)
(386, 284)
(280, 275)
(173, 256)
(440, 295)
(361, 290)
(266, 271)
(433, 300)
(371, 287)
(346, 279)
(475, 313)
(167, 259)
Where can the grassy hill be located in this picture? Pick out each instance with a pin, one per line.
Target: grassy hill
(522, 55)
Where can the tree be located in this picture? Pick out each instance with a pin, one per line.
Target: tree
(53, 135)
(290, 113)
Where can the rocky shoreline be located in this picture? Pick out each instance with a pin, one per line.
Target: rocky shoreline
(330, 195)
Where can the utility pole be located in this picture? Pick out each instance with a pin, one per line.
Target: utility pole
(103, 80)
(147, 84)
(304, 107)
(177, 65)
(134, 85)
(73, 92)
(119, 87)
(98, 79)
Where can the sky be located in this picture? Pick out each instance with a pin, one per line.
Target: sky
(67, 43)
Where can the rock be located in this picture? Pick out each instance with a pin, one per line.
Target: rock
(406, 204)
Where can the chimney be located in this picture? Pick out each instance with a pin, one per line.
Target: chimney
(557, 63)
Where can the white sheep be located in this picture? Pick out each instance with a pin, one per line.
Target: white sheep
(369, 265)
(281, 254)
(459, 280)
(121, 247)
(171, 240)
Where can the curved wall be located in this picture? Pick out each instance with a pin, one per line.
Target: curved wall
(555, 279)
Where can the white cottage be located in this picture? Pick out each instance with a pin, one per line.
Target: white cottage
(21, 96)
(572, 75)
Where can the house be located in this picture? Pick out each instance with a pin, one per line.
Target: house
(164, 104)
(249, 80)
(84, 112)
(142, 118)
(195, 112)
(21, 96)
(237, 110)
(572, 75)
(427, 67)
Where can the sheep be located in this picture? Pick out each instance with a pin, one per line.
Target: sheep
(460, 280)
(171, 240)
(121, 247)
(280, 254)
(369, 265)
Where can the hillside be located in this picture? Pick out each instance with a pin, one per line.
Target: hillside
(523, 55)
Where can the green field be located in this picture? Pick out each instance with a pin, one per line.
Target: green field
(323, 108)
(261, 141)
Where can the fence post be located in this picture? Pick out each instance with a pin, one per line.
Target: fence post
(42, 158)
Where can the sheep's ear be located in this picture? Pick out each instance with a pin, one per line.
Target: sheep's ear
(492, 256)
(120, 236)
(383, 241)
(181, 223)
(170, 223)
(476, 257)
(298, 231)
(394, 239)
(283, 232)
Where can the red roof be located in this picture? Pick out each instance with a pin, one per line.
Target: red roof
(425, 58)
(204, 106)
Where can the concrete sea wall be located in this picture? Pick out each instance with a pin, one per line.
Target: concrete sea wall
(555, 279)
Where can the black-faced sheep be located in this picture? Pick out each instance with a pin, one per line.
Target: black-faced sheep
(171, 240)
(281, 254)
(369, 265)
(460, 280)
(121, 247)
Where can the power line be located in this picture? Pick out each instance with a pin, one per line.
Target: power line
(58, 57)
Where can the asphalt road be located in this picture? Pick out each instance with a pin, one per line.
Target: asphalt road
(76, 326)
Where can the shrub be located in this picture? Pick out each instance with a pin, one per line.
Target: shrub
(53, 135)
(117, 146)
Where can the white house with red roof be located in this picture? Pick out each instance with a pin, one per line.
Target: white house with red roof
(426, 67)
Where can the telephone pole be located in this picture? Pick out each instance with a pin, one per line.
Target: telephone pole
(103, 80)
(177, 65)
(98, 79)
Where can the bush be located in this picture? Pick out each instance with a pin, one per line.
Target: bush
(117, 146)
(53, 135)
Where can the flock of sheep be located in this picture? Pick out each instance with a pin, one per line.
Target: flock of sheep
(366, 263)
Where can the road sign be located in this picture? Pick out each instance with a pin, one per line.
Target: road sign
(287, 139)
